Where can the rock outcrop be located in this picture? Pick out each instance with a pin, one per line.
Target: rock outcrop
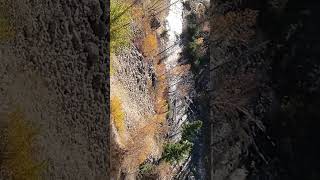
(55, 70)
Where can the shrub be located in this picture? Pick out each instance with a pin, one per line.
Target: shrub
(190, 130)
(164, 34)
(120, 31)
(192, 19)
(176, 152)
(150, 45)
(192, 36)
(161, 104)
(140, 145)
(18, 161)
(146, 168)
(193, 50)
(160, 92)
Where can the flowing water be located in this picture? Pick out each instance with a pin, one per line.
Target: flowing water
(178, 104)
(174, 26)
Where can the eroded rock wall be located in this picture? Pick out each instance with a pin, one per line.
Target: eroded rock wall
(55, 70)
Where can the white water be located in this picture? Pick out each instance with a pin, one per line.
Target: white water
(174, 27)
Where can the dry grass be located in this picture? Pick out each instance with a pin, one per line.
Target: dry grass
(130, 86)
(146, 140)
(130, 83)
(144, 143)
(145, 107)
(164, 170)
(18, 160)
(112, 68)
(117, 114)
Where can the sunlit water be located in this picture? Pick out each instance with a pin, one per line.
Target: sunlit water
(174, 27)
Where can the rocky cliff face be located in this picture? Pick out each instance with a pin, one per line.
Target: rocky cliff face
(263, 90)
(233, 89)
(55, 70)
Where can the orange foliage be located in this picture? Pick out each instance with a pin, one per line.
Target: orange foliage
(161, 104)
(144, 138)
(142, 142)
(150, 45)
(150, 41)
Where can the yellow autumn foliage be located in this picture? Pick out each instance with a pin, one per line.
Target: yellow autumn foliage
(117, 114)
(112, 64)
(112, 70)
(143, 141)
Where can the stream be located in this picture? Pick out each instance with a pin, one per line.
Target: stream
(179, 104)
(174, 26)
